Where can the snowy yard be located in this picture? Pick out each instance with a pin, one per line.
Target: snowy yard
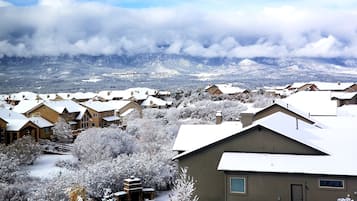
(45, 165)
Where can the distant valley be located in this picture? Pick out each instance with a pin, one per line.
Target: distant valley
(162, 71)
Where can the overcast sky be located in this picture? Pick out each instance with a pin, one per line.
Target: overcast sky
(209, 28)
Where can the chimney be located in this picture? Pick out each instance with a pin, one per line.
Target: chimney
(246, 118)
(219, 118)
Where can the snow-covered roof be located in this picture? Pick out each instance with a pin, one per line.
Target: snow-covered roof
(143, 90)
(118, 104)
(26, 105)
(41, 122)
(164, 93)
(316, 103)
(190, 137)
(343, 95)
(65, 96)
(15, 121)
(83, 96)
(111, 118)
(297, 85)
(290, 107)
(117, 94)
(48, 96)
(285, 163)
(153, 101)
(61, 105)
(25, 95)
(228, 88)
(338, 138)
(280, 123)
(333, 86)
(98, 106)
(4, 97)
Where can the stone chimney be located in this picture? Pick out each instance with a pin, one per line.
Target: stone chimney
(246, 118)
(219, 117)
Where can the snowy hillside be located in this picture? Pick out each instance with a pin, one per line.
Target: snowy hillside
(91, 73)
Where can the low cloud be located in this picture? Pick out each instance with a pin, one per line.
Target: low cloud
(71, 27)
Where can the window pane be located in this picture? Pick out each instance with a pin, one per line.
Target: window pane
(237, 185)
(331, 183)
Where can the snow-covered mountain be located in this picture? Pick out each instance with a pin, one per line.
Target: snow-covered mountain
(73, 73)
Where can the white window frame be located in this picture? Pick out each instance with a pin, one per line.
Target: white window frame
(238, 192)
(331, 187)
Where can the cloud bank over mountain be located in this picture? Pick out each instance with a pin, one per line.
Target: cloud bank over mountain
(51, 28)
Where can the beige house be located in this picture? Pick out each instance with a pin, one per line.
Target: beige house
(14, 126)
(278, 157)
(110, 112)
(229, 89)
(74, 114)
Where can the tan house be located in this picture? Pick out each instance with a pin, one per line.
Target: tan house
(229, 89)
(103, 114)
(74, 114)
(14, 126)
(278, 157)
(111, 112)
(45, 127)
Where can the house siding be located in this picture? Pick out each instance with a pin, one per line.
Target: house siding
(202, 164)
(273, 187)
(46, 113)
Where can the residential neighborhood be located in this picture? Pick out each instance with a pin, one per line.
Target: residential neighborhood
(299, 146)
(38, 113)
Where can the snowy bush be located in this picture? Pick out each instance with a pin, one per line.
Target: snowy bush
(261, 101)
(9, 167)
(62, 131)
(25, 150)
(96, 144)
(11, 192)
(184, 188)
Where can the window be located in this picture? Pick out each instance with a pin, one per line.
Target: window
(331, 183)
(237, 185)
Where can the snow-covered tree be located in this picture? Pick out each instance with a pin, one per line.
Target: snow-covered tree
(96, 144)
(25, 150)
(62, 131)
(184, 188)
(8, 168)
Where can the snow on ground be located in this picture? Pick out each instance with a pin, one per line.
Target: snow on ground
(162, 196)
(45, 166)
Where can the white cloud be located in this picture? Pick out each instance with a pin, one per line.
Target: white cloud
(4, 3)
(71, 27)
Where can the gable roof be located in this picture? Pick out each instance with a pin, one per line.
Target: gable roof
(338, 138)
(286, 106)
(153, 101)
(333, 86)
(98, 106)
(15, 121)
(227, 88)
(24, 95)
(282, 124)
(26, 105)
